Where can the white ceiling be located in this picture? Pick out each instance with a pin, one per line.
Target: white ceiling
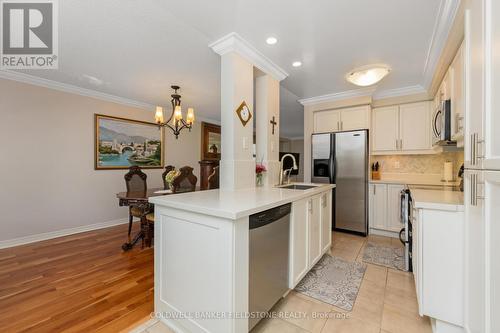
(137, 49)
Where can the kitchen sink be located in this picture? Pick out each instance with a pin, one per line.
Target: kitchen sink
(298, 187)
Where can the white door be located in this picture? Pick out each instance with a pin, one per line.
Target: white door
(492, 87)
(394, 207)
(298, 242)
(378, 206)
(314, 230)
(385, 128)
(326, 121)
(326, 221)
(415, 126)
(491, 193)
(474, 83)
(355, 118)
(475, 255)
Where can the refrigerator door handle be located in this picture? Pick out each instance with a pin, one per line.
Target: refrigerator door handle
(331, 160)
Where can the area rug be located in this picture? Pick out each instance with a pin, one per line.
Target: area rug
(384, 255)
(334, 281)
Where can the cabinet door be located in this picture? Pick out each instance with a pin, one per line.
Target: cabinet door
(492, 92)
(355, 118)
(394, 222)
(457, 97)
(298, 242)
(415, 126)
(474, 83)
(326, 121)
(385, 128)
(314, 230)
(378, 206)
(326, 221)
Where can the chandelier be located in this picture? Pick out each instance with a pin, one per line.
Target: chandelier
(175, 122)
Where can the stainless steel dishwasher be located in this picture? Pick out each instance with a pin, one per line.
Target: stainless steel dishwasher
(269, 239)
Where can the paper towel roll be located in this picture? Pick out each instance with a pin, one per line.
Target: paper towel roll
(448, 171)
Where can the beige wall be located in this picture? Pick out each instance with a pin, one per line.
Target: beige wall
(47, 178)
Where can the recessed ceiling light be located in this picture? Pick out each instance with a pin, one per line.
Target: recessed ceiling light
(367, 75)
(271, 40)
(296, 64)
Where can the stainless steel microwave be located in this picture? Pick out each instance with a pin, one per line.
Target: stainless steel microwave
(441, 124)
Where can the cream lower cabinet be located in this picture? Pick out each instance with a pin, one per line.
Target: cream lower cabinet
(384, 208)
(438, 267)
(347, 119)
(310, 234)
(402, 129)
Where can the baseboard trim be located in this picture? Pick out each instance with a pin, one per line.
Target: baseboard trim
(59, 233)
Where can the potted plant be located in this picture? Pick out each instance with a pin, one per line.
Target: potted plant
(259, 173)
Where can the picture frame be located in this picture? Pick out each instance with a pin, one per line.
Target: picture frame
(210, 142)
(120, 143)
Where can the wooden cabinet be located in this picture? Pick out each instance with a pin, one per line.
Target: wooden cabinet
(326, 221)
(385, 129)
(314, 229)
(378, 206)
(402, 129)
(299, 264)
(384, 207)
(415, 126)
(310, 234)
(347, 119)
(438, 251)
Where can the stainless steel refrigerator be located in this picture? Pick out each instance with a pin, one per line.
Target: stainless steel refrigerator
(342, 159)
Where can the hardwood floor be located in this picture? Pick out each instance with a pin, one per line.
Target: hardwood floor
(78, 283)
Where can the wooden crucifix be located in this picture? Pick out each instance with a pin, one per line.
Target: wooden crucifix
(274, 123)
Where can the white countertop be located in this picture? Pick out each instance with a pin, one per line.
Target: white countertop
(237, 203)
(437, 199)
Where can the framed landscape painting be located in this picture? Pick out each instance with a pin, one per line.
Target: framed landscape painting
(121, 143)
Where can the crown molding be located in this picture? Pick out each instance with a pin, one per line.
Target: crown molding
(404, 91)
(444, 21)
(233, 42)
(338, 96)
(68, 88)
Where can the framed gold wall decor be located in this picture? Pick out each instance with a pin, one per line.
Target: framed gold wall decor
(210, 141)
(121, 143)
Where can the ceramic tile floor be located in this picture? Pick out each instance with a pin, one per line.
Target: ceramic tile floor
(386, 301)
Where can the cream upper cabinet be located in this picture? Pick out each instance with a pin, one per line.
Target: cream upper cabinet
(347, 119)
(402, 129)
(355, 118)
(327, 121)
(414, 122)
(385, 128)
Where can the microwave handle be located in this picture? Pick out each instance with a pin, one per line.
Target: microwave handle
(434, 124)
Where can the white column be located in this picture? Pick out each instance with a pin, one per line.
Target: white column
(267, 99)
(237, 166)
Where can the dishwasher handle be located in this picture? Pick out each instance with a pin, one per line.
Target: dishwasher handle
(268, 216)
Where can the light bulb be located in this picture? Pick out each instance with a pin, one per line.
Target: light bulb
(178, 113)
(159, 114)
(190, 116)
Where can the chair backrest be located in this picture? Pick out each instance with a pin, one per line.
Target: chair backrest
(213, 179)
(135, 179)
(185, 182)
(168, 168)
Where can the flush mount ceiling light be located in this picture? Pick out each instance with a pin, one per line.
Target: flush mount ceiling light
(271, 40)
(296, 64)
(368, 75)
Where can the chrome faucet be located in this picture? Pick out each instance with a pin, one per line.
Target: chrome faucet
(288, 171)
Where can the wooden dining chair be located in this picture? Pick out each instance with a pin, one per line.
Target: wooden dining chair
(185, 182)
(168, 168)
(135, 180)
(213, 179)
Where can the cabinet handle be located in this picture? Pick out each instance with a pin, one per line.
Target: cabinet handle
(374, 189)
(401, 144)
(341, 125)
(338, 125)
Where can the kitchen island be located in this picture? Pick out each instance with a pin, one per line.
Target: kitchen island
(202, 251)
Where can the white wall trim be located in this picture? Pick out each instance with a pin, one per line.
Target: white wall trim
(233, 42)
(338, 96)
(72, 89)
(403, 91)
(59, 233)
(444, 21)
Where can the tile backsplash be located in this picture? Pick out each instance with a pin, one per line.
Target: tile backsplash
(418, 164)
